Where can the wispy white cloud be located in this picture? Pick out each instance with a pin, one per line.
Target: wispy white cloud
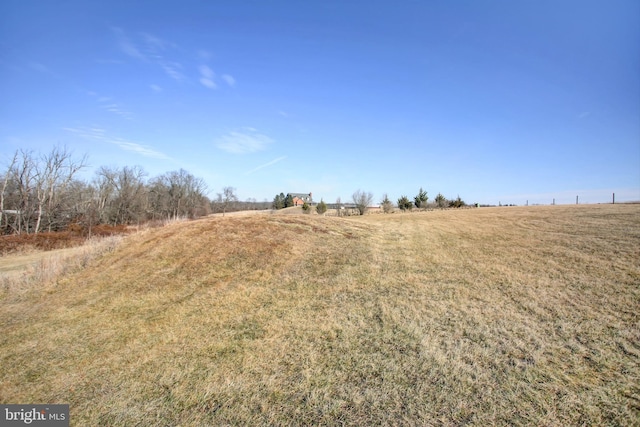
(127, 46)
(208, 83)
(155, 50)
(107, 103)
(584, 114)
(229, 80)
(149, 48)
(205, 55)
(206, 77)
(206, 71)
(283, 113)
(162, 53)
(99, 134)
(143, 150)
(155, 43)
(247, 141)
(42, 69)
(118, 110)
(87, 133)
(172, 69)
(272, 162)
(155, 88)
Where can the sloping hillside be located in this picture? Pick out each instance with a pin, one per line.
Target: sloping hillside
(487, 316)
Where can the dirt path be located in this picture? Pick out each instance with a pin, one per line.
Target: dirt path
(15, 264)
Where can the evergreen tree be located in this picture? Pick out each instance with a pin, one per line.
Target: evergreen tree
(288, 201)
(421, 199)
(457, 203)
(321, 208)
(278, 201)
(404, 203)
(387, 206)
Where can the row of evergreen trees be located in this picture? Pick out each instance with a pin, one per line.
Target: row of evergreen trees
(420, 201)
(362, 200)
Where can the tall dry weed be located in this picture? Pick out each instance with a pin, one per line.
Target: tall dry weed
(56, 264)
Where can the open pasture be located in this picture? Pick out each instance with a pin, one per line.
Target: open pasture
(491, 316)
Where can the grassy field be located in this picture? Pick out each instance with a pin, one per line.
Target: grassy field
(491, 316)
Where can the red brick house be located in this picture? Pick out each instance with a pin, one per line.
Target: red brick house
(300, 198)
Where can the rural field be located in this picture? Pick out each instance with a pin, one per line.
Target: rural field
(491, 316)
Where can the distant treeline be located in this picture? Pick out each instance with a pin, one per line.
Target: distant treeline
(41, 192)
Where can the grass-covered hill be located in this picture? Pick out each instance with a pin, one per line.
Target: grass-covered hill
(497, 316)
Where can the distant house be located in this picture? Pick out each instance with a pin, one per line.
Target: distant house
(300, 198)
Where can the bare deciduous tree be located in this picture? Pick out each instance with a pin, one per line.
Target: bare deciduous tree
(362, 200)
(53, 171)
(226, 199)
(177, 194)
(7, 175)
(40, 192)
(123, 194)
(33, 187)
(24, 176)
(104, 192)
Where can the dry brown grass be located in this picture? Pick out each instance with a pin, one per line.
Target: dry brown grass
(29, 271)
(75, 236)
(501, 316)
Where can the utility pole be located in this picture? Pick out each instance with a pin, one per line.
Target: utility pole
(576, 200)
(614, 198)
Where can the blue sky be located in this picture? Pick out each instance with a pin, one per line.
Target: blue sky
(495, 101)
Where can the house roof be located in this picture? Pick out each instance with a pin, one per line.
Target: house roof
(303, 196)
